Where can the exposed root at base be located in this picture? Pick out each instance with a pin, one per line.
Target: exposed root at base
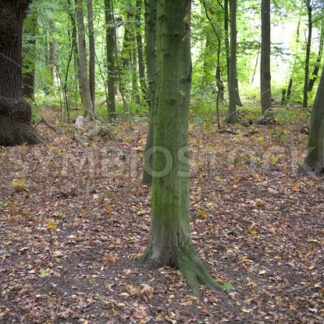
(192, 268)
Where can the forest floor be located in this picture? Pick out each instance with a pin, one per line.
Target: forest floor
(74, 218)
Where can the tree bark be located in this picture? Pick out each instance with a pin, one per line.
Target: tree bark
(15, 113)
(110, 52)
(85, 86)
(265, 77)
(315, 155)
(150, 50)
(308, 49)
(141, 66)
(227, 46)
(29, 54)
(232, 84)
(92, 56)
(170, 241)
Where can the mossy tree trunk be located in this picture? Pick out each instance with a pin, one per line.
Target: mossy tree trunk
(315, 155)
(15, 113)
(150, 51)
(170, 241)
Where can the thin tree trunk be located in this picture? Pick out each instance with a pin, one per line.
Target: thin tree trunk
(150, 50)
(92, 56)
(227, 46)
(294, 64)
(315, 155)
(15, 112)
(308, 49)
(110, 51)
(265, 76)
(318, 61)
(141, 66)
(75, 49)
(170, 241)
(52, 59)
(232, 116)
(29, 54)
(85, 86)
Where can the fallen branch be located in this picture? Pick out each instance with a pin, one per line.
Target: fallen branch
(234, 132)
(46, 123)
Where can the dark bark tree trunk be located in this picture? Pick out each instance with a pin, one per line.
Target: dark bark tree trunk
(29, 54)
(141, 66)
(150, 49)
(170, 241)
(15, 113)
(233, 83)
(318, 61)
(315, 155)
(92, 56)
(110, 52)
(75, 48)
(227, 46)
(265, 77)
(85, 86)
(308, 49)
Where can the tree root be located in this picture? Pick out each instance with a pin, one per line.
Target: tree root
(192, 268)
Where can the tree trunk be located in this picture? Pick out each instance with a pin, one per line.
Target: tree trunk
(85, 86)
(15, 113)
(110, 50)
(75, 49)
(265, 77)
(29, 54)
(294, 64)
(227, 47)
(232, 84)
(141, 66)
(315, 156)
(308, 49)
(92, 56)
(150, 35)
(170, 241)
(318, 61)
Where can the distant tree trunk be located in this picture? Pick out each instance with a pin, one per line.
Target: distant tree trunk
(15, 112)
(29, 53)
(92, 56)
(170, 241)
(75, 48)
(294, 64)
(232, 84)
(141, 66)
(150, 50)
(52, 59)
(265, 76)
(133, 67)
(315, 156)
(227, 47)
(85, 86)
(318, 61)
(308, 49)
(110, 50)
